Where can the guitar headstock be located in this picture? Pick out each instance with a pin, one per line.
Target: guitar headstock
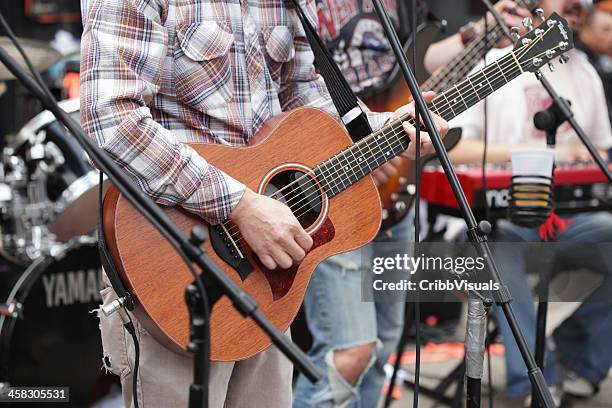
(549, 40)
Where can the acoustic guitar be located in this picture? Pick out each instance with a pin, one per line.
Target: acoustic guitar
(326, 184)
(398, 192)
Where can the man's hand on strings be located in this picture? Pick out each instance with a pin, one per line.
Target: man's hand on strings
(426, 145)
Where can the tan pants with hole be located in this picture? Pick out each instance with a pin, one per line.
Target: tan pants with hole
(164, 377)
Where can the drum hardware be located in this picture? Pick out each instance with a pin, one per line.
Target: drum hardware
(71, 183)
(75, 210)
(13, 309)
(26, 210)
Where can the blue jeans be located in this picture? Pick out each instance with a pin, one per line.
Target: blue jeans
(338, 319)
(583, 340)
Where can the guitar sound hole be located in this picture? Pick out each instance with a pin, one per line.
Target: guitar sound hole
(299, 192)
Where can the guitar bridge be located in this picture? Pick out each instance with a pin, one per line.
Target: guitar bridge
(229, 250)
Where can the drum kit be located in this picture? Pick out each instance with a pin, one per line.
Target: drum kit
(50, 272)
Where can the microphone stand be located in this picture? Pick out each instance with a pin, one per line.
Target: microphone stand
(477, 232)
(544, 120)
(189, 248)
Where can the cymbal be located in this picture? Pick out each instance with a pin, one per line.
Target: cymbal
(40, 53)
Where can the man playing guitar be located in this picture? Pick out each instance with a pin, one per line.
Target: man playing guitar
(159, 73)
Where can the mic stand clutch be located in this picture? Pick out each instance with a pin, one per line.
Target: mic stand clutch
(475, 338)
(477, 232)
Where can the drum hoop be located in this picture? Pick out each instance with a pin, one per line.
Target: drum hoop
(42, 262)
(76, 189)
(26, 280)
(29, 130)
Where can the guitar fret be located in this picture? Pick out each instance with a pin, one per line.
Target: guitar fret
(487, 78)
(334, 173)
(472, 85)
(501, 70)
(449, 104)
(461, 96)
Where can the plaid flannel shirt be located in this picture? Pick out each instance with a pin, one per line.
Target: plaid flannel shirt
(156, 74)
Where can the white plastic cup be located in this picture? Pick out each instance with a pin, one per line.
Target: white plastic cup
(535, 164)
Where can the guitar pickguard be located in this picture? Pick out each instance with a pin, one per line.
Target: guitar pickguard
(281, 280)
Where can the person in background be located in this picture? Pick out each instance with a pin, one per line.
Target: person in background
(353, 339)
(582, 342)
(595, 40)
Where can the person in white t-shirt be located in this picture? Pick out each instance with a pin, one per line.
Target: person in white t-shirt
(583, 346)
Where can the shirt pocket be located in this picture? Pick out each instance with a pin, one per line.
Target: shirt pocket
(203, 69)
(279, 49)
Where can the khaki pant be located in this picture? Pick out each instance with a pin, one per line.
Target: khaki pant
(164, 377)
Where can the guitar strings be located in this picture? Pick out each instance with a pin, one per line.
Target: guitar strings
(437, 109)
(396, 142)
(387, 138)
(393, 136)
(392, 124)
(443, 94)
(460, 65)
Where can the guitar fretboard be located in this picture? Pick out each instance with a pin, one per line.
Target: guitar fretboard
(462, 63)
(360, 159)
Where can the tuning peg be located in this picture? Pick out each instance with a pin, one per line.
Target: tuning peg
(551, 67)
(528, 23)
(514, 33)
(564, 59)
(537, 62)
(539, 13)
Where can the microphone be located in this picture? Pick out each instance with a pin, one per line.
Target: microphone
(550, 119)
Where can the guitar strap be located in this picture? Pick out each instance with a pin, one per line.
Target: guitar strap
(105, 257)
(354, 118)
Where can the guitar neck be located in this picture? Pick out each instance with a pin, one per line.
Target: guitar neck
(463, 63)
(467, 59)
(362, 158)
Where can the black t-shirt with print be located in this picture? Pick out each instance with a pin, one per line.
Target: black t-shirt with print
(353, 33)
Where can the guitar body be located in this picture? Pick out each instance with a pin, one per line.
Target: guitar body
(157, 276)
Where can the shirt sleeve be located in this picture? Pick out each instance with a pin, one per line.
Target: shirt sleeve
(470, 122)
(301, 85)
(601, 133)
(123, 48)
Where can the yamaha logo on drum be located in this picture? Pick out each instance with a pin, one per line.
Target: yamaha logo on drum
(67, 288)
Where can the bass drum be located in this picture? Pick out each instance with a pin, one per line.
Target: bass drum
(57, 340)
